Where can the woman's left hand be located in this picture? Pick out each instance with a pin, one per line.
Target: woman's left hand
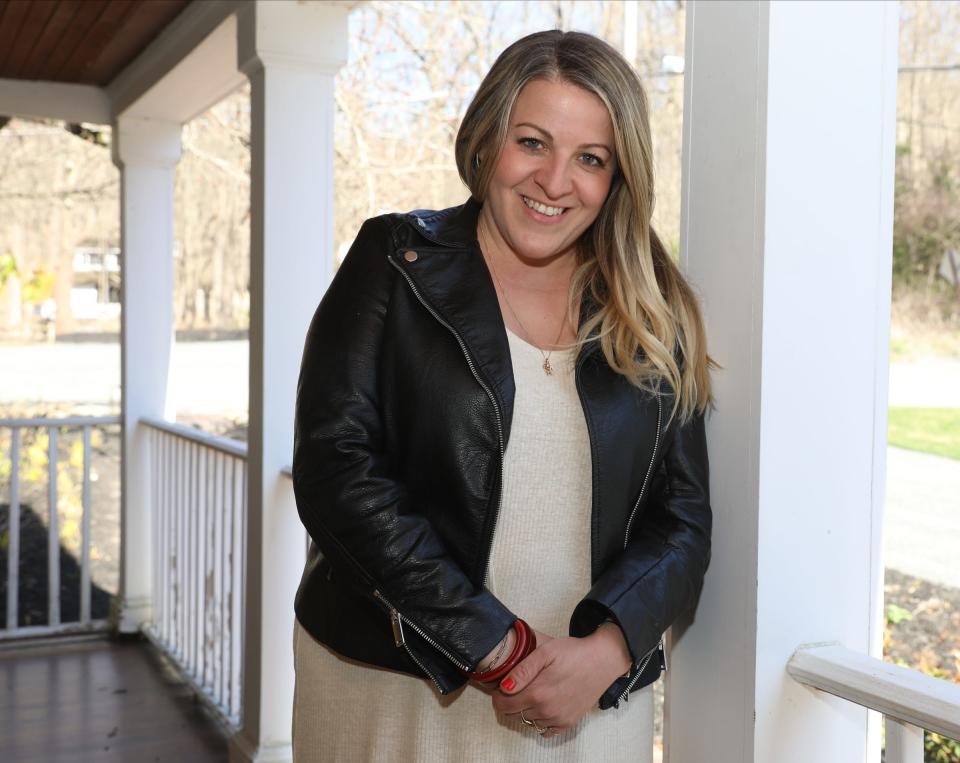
(562, 679)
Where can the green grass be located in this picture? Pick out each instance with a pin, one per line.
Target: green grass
(930, 430)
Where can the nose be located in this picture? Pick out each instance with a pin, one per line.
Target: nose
(553, 176)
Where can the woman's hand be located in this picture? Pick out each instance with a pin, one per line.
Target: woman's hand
(494, 686)
(562, 679)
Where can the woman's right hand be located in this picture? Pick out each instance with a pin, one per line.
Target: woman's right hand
(511, 639)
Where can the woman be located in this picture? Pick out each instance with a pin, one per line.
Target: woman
(500, 423)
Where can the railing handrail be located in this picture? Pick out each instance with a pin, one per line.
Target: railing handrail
(217, 442)
(898, 692)
(62, 421)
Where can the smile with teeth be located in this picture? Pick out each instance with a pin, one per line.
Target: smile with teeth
(543, 209)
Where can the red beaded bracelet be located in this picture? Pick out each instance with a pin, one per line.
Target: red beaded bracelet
(526, 643)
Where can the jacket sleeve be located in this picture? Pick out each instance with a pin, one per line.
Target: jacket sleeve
(659, 574)
(359, 515)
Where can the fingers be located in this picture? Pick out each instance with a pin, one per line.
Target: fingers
(523, 674)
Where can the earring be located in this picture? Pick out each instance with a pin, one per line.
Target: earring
(476, 161)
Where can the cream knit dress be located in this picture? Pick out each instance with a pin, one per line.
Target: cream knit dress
(346, 711)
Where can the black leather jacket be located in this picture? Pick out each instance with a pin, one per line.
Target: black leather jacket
(403, 413)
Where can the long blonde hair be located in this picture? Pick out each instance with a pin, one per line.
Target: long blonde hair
(648, 322)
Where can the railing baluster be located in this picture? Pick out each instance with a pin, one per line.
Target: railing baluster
(181, 557)
(201, 572)
(216, 608)
(85, 531)
(165, 481)
(227, 580)
(904, 741)
(53, 531)
(209, 597)
(156, 480)
(236, 613)
(156, 514)
(189, 558)
(13, 549)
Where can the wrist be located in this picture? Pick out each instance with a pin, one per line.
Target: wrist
(499, 653)
(613, 647)
(524, 643)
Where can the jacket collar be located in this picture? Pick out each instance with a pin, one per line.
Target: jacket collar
(454, 227)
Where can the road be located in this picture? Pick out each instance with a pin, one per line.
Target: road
(922, 521)
(206, 377)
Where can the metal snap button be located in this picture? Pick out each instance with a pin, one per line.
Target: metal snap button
(410, 255)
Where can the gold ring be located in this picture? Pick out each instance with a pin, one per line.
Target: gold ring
(525, 721)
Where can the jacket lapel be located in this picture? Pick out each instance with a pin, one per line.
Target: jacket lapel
(453, 279)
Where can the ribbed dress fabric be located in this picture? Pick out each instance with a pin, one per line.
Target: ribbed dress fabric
(346, 711)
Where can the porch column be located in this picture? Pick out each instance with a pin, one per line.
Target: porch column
(146, 152)
(787, 232)
(291, 52)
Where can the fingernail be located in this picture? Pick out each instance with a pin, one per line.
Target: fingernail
(508, 683)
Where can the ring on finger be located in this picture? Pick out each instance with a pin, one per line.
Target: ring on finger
(523, 718)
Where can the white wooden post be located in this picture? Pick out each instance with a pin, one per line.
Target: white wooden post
(146, 151)
(904, 742)
(787, 229)
(291, 52)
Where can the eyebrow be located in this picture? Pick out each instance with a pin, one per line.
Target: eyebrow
(550, 137)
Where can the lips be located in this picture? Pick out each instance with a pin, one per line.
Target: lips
(543, 209)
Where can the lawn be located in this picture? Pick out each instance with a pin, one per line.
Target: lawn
(930, 430)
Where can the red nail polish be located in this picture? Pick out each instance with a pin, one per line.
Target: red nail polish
(508, 683)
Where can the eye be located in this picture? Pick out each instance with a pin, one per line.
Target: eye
(593, 160)
(533, 143)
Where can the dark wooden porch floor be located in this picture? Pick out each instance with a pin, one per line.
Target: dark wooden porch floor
(100, 701)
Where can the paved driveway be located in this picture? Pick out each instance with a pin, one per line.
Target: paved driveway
(922, 521)
(206, 377)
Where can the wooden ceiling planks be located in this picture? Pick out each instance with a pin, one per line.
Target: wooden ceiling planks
(139, 27)
(86, 15)
(32, 24)
(49, 39)
(12, 15)
(80, 41)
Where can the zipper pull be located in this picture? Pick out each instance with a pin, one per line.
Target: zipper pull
(397, 624)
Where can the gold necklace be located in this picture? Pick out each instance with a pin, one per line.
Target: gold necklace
(547, 368)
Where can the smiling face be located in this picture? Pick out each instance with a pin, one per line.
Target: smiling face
(553, 173)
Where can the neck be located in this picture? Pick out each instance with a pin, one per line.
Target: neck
(537, 273)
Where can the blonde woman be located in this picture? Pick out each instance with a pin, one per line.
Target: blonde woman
(500, 451)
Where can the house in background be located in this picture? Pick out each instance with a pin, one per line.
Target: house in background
(95, 295)
(787, 224)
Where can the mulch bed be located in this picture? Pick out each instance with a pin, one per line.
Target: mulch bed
(927, 637)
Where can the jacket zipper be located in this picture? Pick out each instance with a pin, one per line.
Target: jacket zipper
(646, 477)
(640, 669)
(626, 540)
(483, 384)
(396, 622)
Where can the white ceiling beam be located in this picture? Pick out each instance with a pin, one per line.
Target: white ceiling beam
(54, 100)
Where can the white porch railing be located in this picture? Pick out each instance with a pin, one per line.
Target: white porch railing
(198, 493)
(55, 623)
(909, 700)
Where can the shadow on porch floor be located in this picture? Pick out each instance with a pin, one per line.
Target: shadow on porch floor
(100, 700)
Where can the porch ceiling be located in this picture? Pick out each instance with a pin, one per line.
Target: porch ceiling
(84, 42)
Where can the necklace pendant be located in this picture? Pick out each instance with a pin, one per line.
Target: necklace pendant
(547, 368)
